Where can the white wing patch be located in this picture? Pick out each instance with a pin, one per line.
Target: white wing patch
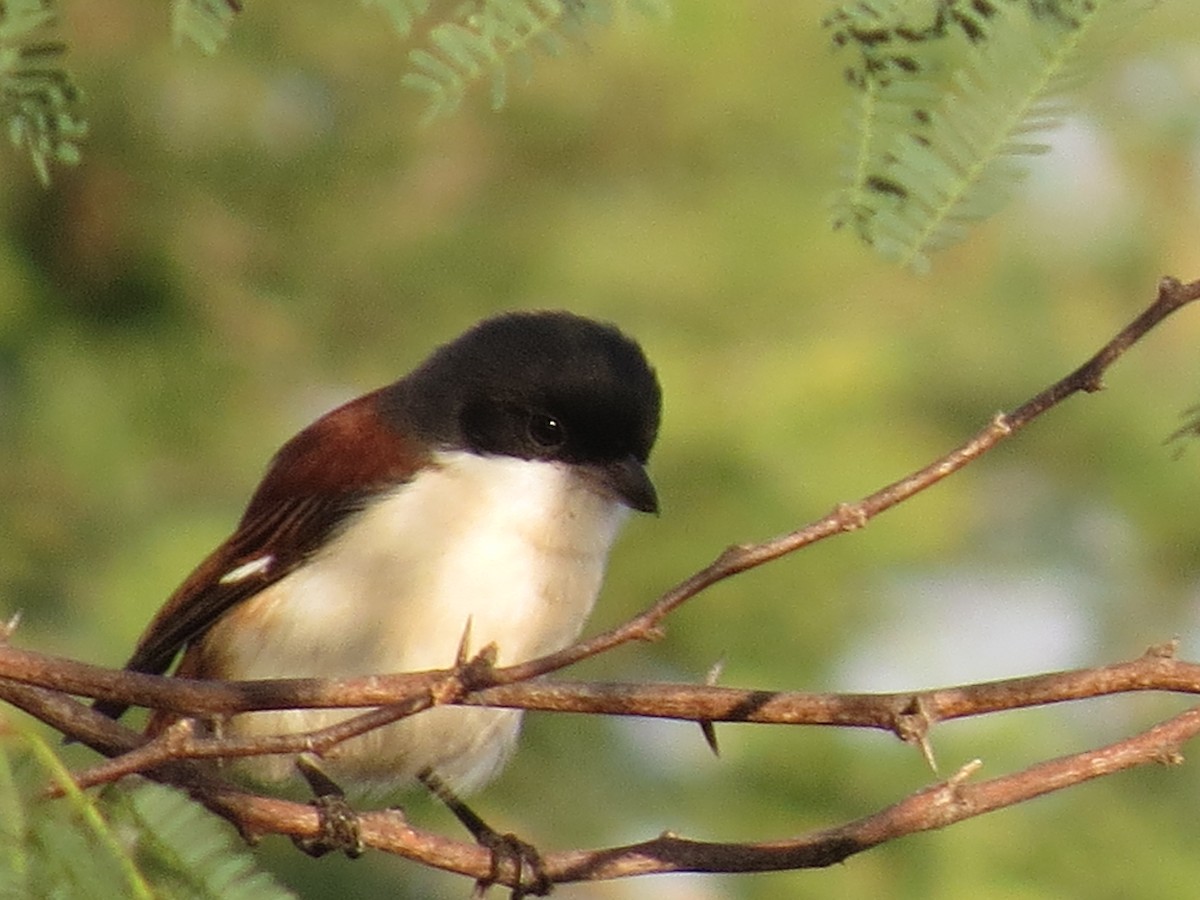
(247, 570)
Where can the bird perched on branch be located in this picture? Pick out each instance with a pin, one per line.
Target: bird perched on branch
(480, 492)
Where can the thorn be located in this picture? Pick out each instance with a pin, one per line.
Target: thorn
(926, 749)
(1165, 650)
(9, 628)
(912, 726)
(653, 634)
(967, 770)
(464, 644)
(706, 727)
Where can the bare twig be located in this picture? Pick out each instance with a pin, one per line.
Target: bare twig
(933, 807)
(908, 714)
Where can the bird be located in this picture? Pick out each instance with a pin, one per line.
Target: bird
(480, 493)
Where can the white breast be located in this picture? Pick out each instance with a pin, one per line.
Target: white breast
(516, 548)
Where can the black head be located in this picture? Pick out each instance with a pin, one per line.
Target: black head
(546, 386)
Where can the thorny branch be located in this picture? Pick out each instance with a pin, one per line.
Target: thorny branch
(936, 806)
(39, 685)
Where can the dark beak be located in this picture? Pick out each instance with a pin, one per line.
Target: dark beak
(626, 480)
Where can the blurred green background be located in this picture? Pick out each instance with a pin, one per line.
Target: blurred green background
(256, 236)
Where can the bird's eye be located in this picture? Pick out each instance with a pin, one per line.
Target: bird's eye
(546, 432)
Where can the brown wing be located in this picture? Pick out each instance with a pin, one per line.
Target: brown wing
(324, 474)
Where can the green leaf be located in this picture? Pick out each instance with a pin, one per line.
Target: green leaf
(205, 23)
(403, 13)
(38, 98)
(493, 38)
(189, 851)
(947, 108)
(137, 840)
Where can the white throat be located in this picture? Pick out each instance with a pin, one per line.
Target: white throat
(515, 547)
